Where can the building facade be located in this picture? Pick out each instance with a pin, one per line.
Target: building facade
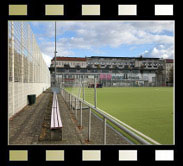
(67, 62)
(111, 71)
(169, 66)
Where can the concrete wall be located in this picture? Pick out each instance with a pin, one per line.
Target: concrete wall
(21, 90)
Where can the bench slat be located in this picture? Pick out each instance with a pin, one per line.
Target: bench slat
(55, 115)
(53, 112)
(58, 113)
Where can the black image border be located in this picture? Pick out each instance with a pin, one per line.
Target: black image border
(109, 153)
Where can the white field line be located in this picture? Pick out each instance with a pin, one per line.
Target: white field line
(138, 132)
(162, 90)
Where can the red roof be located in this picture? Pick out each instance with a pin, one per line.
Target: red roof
(169, 60)
(69, 59)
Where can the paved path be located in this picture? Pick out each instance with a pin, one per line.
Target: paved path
(32, 125)
(96, 137)
(24, 128)
(69, 131)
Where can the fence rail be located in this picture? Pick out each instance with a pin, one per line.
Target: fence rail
(72, 100)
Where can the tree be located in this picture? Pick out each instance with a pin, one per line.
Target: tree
(171, 75)
(142, 70)
(159, 76)
(98, 66)
(89, 66)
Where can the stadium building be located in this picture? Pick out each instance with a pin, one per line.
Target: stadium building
(113, 71)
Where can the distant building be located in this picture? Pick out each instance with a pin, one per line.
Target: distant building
(120, 71)
(169, 64)
(69, 62)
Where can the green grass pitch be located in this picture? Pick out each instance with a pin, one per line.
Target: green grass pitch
(147, 109)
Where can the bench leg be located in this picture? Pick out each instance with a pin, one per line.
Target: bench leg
(56, 135)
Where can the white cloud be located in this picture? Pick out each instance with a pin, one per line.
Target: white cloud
(146, 51)
(48, 48)
(47, 59)
(160, 51)
(154, 26)
(114, 34)
(93, 35)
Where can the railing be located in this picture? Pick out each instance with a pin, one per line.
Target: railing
(69, 98)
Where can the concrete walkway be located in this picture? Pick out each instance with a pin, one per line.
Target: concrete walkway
(32, 125)
(25, 126)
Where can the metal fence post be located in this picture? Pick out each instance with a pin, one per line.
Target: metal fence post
(89, 124)
(95, 94)
(72, 103)
(76, 110)
(69, 101)
(28, 47)
(12, 66)
(76, 107)
(22, 58)
(104, 130)
(62, 91)
(33, 73)
(83, 91)
(65, 96)
(75, 103)
(81, 114)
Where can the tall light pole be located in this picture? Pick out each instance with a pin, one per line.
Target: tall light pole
(55, 54)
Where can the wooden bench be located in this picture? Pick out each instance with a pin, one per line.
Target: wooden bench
(56, 122)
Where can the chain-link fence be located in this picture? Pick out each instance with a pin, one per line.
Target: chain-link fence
(27, 70)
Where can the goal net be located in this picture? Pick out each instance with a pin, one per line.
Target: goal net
(81, 86)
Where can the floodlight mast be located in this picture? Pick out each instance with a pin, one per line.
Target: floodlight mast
(55, 55)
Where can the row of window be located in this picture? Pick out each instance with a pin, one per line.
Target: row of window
(68, 63)
(99, 71)
(110, 65)
(116, 66)
(102, 63)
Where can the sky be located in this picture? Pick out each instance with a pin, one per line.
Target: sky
(105, 38)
